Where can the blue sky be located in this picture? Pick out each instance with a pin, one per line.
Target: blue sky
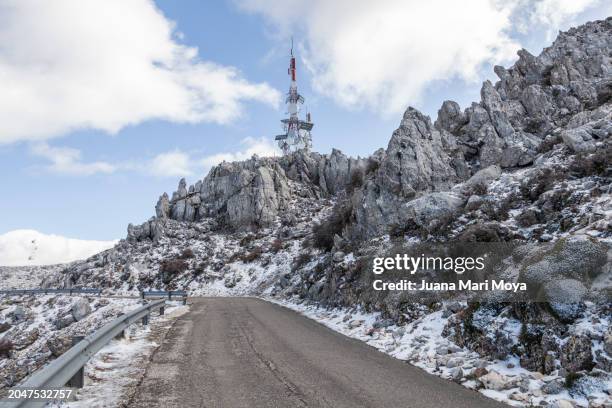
(106, 105)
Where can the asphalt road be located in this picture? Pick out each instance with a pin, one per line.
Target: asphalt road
(243, 352)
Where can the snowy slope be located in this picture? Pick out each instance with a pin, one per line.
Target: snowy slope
(30, 247)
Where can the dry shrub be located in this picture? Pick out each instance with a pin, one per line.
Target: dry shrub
(187, 253)
(324, 232)
(276, 245)
(300, 261)
(173, 266)
(5, 348)
(372, 166)
(252, 256)
(593, 164)
(356, 181)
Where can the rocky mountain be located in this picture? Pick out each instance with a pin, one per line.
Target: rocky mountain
(528, 166)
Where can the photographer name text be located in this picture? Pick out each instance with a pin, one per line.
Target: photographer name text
(406, 285)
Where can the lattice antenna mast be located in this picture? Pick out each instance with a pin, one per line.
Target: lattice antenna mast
(297, 132)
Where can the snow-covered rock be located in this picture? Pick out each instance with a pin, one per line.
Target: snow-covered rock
(80, 309)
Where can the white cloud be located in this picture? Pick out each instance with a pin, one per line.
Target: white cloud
(106, 64)
(171, 164)
(384, 54)
(174, 163)
(554, 14)
(29, 247)
(66, 160)
(177, 163)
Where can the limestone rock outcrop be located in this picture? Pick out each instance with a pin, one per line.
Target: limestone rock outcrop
(536, 96)
(428, 172)
(253, 193)
(419, 159)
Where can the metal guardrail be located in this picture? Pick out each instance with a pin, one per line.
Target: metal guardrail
(44, 291)
(165, 294)
(64, 368)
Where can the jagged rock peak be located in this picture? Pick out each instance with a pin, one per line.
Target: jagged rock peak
(534, 98)
(255, 191)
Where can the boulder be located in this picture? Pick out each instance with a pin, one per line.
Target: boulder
(433, 210)
(18, 314)
(353, 324)
(584, 138)
(454, 362)
(520, 149)
(496, 381)
(577, 257)
(58, 345)
(529, 217)
(553, 387)
(565, 297)
(151, 230)
(456, 373)
(482, 232)
(64, 321)
(480, 180)
(473, 203)
(338, 256)
(576, 354)
(24, 339)
(80, 309)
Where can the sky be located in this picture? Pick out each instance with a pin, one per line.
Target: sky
(106, 104)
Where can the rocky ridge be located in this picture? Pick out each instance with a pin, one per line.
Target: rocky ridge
(528, 164)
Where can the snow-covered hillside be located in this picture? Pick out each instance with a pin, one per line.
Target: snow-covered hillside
(30, 247)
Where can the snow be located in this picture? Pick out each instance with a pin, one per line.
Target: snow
(421, 343)
(30, 247)
(119, 366)
(26, 277)
(240, 278)
(36, 328)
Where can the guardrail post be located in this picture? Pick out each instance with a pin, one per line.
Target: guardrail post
(142, 295)
(77, 380)
(185, 300)
(170, 295)
(145, 320)
(162, 311)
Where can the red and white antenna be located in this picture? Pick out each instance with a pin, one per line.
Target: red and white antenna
(292, 69)
(297, 132)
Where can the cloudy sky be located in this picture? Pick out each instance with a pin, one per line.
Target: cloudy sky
(105, 104)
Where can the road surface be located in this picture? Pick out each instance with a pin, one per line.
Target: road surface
(244, 352)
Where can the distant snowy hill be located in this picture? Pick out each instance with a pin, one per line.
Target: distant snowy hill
(30, 247)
